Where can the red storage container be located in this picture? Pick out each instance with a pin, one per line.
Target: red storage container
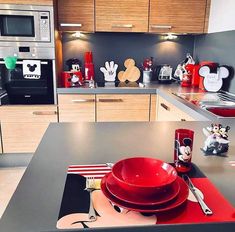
(71, 79)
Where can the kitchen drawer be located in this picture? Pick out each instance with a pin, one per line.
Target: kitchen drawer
(123, 107)
(169, 112)
(76, 107)
(22, 136)
(29, 113)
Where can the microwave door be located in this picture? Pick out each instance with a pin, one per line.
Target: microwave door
(19, 26)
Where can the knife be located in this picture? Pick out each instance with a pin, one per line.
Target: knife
(206, 210)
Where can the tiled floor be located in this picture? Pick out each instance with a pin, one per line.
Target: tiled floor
(9, 179)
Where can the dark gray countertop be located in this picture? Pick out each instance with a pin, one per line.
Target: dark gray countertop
(36, 202)
(164, 90)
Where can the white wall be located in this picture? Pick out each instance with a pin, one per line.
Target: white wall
(222, 16)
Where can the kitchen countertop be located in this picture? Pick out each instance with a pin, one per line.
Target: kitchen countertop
(36, 202)
(164, 90)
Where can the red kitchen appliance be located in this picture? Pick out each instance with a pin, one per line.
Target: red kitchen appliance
(71, 79)
(89, 66)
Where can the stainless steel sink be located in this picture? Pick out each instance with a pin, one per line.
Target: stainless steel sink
(221, 104)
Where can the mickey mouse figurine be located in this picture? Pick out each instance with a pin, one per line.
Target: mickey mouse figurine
(217, 142)
(183, 154)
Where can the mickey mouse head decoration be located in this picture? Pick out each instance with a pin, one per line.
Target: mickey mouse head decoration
(213, 81)
(32, 67)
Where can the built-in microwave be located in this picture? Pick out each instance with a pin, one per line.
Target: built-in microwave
(26, 23)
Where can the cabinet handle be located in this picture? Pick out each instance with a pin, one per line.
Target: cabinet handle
(183, 120)
(44, 112)
(83, 100)
(122, 25)
(165, 106)
(71, 25)
(110, 100)
(161, 26)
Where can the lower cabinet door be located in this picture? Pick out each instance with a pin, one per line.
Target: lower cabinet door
(122, 107)
(76, 107)
(22, 137)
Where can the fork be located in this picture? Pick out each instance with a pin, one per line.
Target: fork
(90, 186)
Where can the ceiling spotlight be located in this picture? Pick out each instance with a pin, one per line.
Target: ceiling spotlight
(170, 36)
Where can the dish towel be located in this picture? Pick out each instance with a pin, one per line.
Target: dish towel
(32, 69)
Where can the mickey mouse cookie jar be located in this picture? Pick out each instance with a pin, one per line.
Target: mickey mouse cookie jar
(183, 150)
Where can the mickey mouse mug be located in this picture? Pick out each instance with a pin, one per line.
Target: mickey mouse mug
(183, 149)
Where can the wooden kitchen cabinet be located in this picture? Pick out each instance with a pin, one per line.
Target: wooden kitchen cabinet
(23, 126)
(178, 16)
(76, 107)
(76, 15)
(169, 112)
(122, 16)
(122, 107)
(153, 107)
(28, 2)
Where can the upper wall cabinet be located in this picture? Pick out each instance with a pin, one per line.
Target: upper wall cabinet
(28, 2)
(178, 16)
(76, 15)
(122, 15)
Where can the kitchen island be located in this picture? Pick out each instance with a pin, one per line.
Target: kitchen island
(36, 203)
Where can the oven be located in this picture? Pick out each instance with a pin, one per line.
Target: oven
(30, 82)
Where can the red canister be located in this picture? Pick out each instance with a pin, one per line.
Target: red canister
(89, 66)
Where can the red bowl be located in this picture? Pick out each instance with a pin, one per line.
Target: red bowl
(144, 175)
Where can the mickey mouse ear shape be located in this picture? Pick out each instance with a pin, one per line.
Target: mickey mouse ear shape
(223, 72)
(204, 71)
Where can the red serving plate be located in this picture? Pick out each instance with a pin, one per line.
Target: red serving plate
(143, 175)
(166, 195)
(179, 200)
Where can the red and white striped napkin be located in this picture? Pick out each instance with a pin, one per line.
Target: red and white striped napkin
(98, 171)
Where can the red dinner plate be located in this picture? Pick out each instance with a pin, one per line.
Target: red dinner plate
(179, 200)
(167, 194)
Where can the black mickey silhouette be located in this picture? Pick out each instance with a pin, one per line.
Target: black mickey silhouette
(32, 67)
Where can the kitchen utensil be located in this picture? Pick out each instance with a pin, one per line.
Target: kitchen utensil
(166, 195)
(91, 186)
(10, 62)
(183, 149)
(132, 73)
(176, 202)
(143, 175)
(129, 63)
(121, 76)
(206, 210)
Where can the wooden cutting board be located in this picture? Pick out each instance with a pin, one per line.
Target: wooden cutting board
(121, 76)
(132, 73)
(129, 63)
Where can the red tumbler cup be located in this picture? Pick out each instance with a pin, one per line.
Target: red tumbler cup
(183, 149)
